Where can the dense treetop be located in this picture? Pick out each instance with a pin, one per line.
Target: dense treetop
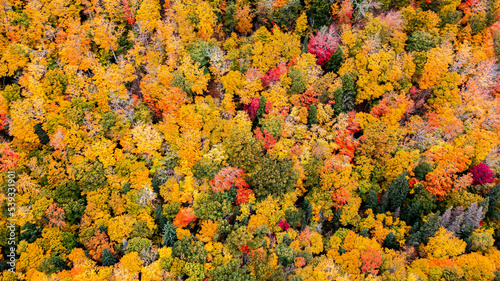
(251, 139)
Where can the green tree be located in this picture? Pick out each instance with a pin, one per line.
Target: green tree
(189, 249)
(371, 200)
(209, 207)
(411, 213)
(260, 112)
(232, 271)
(319, 14)
(397, 191)
(30, 232)
(169, 234)
(74, 210)
(311, 118)
(335, 61)
(137, 244)
(428, 229)
(67, 192)
(276, 177)
(390, 241)
(345, 97)
(421, 40)
(422, 170)
(42, 135)
(494, 203)
(52, 264)
(285, 254)
(298, 81)
(107, 258)
(12, 93)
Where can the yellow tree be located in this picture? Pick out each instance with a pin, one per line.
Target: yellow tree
(25, 114)
(206, 17)
(243, 17)
(444, 245)
(196, 80)
(148, 15)
(436, 67)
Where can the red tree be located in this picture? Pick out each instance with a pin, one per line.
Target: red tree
(268, 141)
(371, 260)
(323, 44)
(482, 174)
(225, 179)
(56, 216)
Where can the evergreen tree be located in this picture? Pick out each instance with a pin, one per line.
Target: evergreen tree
(319, 14)
(169, 234)
(397, 192)
(107, 258)
(260, 112)
(497, 276)
(338, 96)
(422, 170)
(160, 218)
(428, 201)
(411, 213)
(494, 203)
(30, 232)
(307, 207)
(311, 118)
(52, 264)
(42, 135)
(384, 203)
(345, 98)
(125, 188)
(103, 229)
(371, 200)
(364, 232)
(293, 217)
(390, 241)
(335, 61)
(428, 229)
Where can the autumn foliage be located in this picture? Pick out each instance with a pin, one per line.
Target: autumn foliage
(227, 178)
(250, 140)
(323, 44)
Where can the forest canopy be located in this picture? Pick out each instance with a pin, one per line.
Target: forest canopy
(250, 140)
